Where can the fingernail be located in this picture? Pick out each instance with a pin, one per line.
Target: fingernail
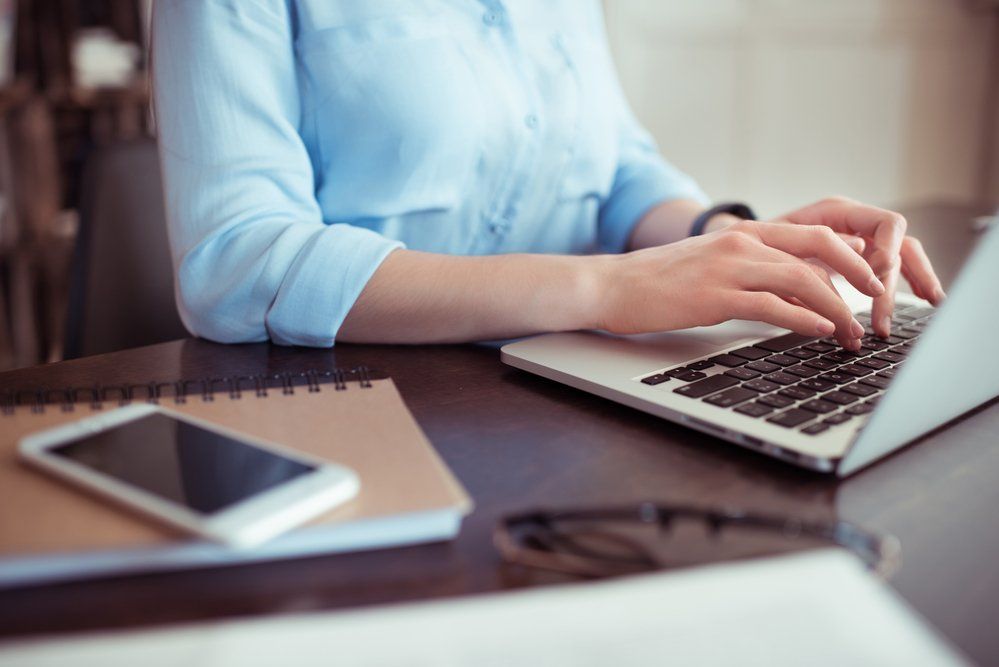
(825, 327)
(875, 287)
(855, 344)
(856, 328)
(939, 295)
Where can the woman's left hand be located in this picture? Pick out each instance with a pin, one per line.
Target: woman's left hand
(884, 245)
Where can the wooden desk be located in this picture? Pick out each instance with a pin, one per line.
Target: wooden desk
(516, 440)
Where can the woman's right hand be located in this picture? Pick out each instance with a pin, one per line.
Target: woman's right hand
(750, 271)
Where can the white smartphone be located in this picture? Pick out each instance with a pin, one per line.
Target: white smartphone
(196, 476)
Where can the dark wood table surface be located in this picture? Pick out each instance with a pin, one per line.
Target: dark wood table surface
(516, 441)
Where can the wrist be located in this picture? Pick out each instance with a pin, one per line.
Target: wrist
(737, 209)
(720, 221)
(592, 279)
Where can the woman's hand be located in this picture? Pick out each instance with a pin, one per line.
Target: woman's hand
(886, 248)
(750, 271)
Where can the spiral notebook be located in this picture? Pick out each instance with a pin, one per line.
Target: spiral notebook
(51, 531)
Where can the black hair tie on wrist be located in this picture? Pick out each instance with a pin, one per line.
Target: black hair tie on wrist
(737, 209)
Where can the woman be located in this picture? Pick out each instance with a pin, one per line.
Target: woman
(425, 171)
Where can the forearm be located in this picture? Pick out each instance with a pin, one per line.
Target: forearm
(670, 221)
(418, 297)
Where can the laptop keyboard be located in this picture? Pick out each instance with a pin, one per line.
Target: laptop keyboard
(801, 382)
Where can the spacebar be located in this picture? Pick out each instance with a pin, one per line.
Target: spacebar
(706, 386)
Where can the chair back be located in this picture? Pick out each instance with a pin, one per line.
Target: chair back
(121, 291)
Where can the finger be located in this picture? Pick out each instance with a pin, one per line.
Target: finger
(919, 272)
(820, 242)
(884, 228)
(884, 305)
(770, 308)
(856, 242)
(850, 341)
(912, 283)
(800, 281)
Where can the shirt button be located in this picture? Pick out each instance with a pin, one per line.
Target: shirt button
(531, 121)
(492, 18)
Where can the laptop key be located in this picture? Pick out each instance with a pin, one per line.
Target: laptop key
(798, 393)
(872, 362)
(820, 347)
(658, 378)
(781, 378)
(756, 409)
(817, 384)
(820, 364)
(858, 389)
(889, 373)
(675, 372)
(815, 429)
(763, 366)
(875, 381)
(762, 386)
(700, 365)
(727, 360)
(905, 332)
(802, 353)
(873, 344)
(840, 357)
(690, 376)
(840, 397)
(835, 377)
(743, 373)
(730, 397)
(791, 418)
(783, 360)
(802, 371)
(706, 386)
(818, 405)
(859, 409)
(837, 418)
(785, 342)
(750, 353)
(854, 370)
(890, 357)
(920, 311)
(776, 400)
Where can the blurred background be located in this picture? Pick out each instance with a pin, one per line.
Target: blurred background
(775, 102)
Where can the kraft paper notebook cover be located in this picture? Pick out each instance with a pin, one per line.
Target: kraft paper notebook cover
(50, 530)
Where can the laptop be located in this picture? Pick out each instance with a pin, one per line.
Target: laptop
(800, 399)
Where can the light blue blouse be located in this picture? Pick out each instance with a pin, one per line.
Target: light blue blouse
(302, 141)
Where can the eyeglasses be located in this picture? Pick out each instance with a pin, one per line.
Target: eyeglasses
(603, 542)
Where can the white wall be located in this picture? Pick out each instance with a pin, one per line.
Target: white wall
(780, 102)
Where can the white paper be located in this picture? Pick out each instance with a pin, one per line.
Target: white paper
(815, 609)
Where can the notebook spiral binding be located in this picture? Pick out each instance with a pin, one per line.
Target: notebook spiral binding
(180, 390)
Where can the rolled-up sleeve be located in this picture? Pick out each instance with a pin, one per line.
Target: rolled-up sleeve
(642, 178)
(253, 256)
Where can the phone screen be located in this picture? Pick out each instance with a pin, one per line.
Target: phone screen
(200, 469)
